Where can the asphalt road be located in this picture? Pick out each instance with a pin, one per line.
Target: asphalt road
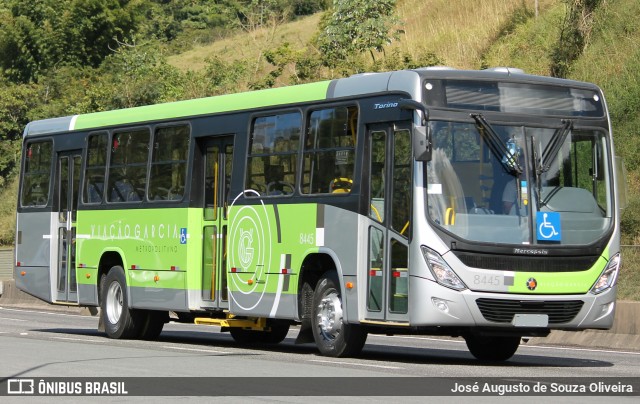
(51, 344)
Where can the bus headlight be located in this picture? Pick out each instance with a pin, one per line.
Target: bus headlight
(441, 271)
(608, 277)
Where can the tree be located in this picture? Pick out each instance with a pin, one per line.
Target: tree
(39, 35)
(357, 26)
(16, 102)
(133, 76)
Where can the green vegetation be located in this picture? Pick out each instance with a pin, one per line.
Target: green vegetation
(62, 57)
(629, 278)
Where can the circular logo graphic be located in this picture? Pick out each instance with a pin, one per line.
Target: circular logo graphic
(250, 254)
(532, 283)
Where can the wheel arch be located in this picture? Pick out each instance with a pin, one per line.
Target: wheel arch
(109, 259)
(313, 267)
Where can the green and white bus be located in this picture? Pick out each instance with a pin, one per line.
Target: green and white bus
(435, 201)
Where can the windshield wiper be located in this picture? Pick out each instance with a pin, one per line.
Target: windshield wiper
(553, 147)
(543, 164)
(508, 160)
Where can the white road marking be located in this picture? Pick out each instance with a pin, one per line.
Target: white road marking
(194, 349)
(49, 312)
(12, 319)
(77, 339)
(354, 364)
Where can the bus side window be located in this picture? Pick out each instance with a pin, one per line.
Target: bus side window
(128, 165)
(37, 171)
(95, 189)
(329, 151)
(96, 167)
(273, 150)
(169, 163)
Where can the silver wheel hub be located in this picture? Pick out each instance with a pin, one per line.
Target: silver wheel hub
(114, 303)
(329, 317)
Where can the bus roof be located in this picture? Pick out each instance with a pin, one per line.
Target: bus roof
(408, 81)
(187, 108)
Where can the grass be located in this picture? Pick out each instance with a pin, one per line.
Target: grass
(9, 198)
(529, 45)
(457, 31)
(249, 46)
(629, 277)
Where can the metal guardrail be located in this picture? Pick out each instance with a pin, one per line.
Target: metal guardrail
(6, 264)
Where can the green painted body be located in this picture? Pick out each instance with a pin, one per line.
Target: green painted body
(560, 282)
(156, 254)
(224, 103)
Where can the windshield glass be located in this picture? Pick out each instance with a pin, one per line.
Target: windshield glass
(517, 185)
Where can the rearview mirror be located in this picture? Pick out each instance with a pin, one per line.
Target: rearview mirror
(421, 143)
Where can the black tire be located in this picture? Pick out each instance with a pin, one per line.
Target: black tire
(492, 349)
(332, 336)
(152, 324)
(120, 321)
(278, 333)
(246, 337)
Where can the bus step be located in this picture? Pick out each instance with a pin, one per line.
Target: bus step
(249, 323)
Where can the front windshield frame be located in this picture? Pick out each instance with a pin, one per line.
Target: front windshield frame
(477, 215)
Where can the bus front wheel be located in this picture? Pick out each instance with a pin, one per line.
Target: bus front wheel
(332, 336)
(492, 348)
(119, 320)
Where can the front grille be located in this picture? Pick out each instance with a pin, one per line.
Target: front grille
(502, 310)
(526, 263)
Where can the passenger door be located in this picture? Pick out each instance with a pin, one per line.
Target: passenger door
(218, 158)
(390, 212)
(67, 185)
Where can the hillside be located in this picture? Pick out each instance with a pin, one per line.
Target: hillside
(247, 45)
(457, 31)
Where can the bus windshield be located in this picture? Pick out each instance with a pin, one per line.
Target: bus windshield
(519, 184)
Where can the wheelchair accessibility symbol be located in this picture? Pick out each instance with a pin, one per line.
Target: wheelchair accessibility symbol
(548, 225)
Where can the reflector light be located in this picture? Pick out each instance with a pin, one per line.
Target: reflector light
(135, 267)
(234, 270)
(284, 271)
(18, 263)
(396, 274)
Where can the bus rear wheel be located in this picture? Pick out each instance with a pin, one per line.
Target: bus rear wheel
(152, 324)
(119, 320)
(332, 336)
(490, 348)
